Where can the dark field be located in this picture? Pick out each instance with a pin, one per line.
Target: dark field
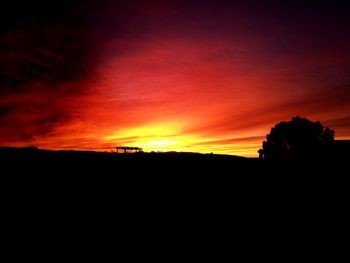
(183, 190)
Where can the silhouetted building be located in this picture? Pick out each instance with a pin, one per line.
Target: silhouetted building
(261, 153)
(341, 148)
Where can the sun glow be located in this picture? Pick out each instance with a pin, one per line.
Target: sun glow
(151, 132)
(165, 137)
(170, 137)
(159, 143)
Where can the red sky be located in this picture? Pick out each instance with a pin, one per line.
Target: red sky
(206, 76)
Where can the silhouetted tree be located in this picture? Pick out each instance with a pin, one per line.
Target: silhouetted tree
(297, 138)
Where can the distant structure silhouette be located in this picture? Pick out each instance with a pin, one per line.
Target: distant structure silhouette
(261, 153)
(298, 138)
(126, 149)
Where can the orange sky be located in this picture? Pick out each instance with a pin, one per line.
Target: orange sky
(170, 76)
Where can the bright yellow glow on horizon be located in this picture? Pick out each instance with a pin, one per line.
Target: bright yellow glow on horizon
(159, 143)
(165, 137)
(169, 137)
(147, 131)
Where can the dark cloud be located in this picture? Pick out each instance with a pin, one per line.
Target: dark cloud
(46, 45)
(47, 49)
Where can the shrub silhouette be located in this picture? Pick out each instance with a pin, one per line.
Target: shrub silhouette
(297, 138)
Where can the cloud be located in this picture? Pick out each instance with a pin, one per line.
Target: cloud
(46, 56)
(232, 141)
(73, 72)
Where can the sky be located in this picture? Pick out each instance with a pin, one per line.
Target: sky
(197, 76)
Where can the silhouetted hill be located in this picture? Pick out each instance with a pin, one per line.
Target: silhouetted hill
(163, 163)
(132, 162)
(340, 150)
(34, 154)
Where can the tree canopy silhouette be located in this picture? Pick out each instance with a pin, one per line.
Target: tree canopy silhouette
(297, 138)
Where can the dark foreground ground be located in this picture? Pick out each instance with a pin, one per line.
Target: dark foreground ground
(206, 178)
(175, 173)
(176, 196)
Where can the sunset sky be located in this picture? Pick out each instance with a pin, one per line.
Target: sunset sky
(198, 76)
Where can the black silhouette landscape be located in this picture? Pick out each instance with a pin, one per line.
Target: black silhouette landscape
(131, 123)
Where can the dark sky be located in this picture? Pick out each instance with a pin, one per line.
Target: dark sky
(170, 75)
